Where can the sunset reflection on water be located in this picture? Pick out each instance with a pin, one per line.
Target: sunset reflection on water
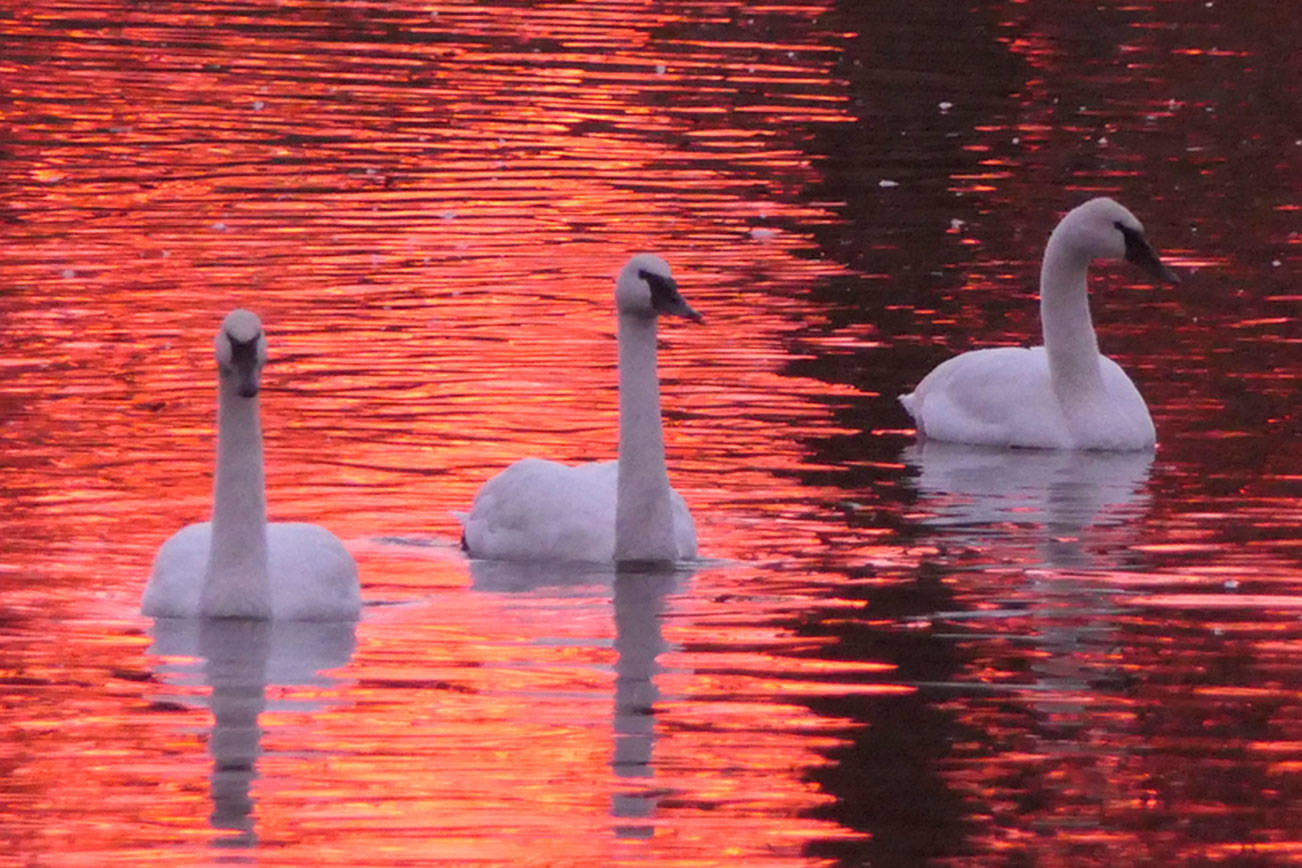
(890, 653)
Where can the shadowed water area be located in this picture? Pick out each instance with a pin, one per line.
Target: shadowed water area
(889, 653)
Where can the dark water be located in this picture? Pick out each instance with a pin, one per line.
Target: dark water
(894, 654)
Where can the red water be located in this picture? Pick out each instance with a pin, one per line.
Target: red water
(891, 655)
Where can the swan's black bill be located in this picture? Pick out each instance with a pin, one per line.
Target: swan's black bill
(244, 357)
(665, 297)
(1141, 253)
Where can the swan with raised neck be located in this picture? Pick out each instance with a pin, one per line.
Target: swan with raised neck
(623, 510)
(1064, 394)
(237, 565)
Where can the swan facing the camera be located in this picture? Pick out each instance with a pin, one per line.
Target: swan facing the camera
(623, 510)
(238, 565)
(1065, 394)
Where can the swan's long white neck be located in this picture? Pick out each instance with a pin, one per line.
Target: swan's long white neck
(1069, 339)
(237, 584)
(644, 527)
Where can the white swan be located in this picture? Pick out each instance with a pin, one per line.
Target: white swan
(1063, 395)
(624, 510)
(238, 565)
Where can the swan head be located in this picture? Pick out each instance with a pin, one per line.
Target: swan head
(1104, 229)
(645, 288)
(241, 352)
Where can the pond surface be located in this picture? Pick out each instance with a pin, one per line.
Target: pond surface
(889, 654)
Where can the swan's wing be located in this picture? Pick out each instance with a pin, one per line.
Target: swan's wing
(542, 510)
(1124, 422)
(999, 397)
(176, 579)
(313, 577)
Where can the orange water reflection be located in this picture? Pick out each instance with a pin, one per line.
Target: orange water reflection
(364, 179)
(899, 655)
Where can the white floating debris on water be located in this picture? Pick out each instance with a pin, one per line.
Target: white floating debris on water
(956, 224)
(886, 182)
(219, 226)
(661, 69)
(945, 105)
(1276, 263)
(1103, 140)
(449, 214)
(258, 105)
(761, 233)
(1231, 584)
(69, 273)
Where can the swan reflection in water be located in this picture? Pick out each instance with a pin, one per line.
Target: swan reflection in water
(639, 593)
(1077, 511)
(237, 659)
(1067, 497)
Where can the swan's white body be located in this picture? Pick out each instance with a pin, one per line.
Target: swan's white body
(238, 565)
(1065, 394)
(1005, 396)
(624, 510)
(539, 510)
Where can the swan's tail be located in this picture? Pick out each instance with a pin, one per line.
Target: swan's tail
(462, 517)
(910, 404)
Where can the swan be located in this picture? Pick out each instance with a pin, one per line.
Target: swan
(622, 510)
(238, 565)
(1065, 394)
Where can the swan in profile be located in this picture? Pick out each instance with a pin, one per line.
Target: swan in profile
(1063, 395)
(238, 565)
(623, 510)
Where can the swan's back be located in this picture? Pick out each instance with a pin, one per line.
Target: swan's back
(1004, 396)
(312, 575)
(539, 510)
(1001, 396)
(542, 510)
(176, 580)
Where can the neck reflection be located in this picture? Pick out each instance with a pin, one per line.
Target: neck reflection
(238, 659)
(639, 591)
